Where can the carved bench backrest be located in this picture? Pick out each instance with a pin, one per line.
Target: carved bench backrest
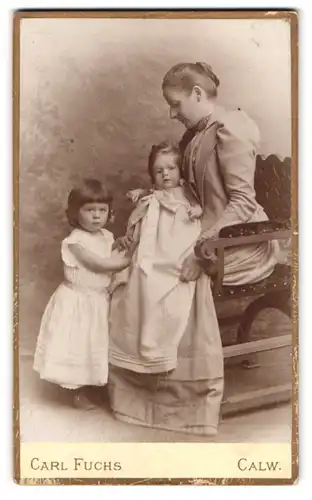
(273, 186)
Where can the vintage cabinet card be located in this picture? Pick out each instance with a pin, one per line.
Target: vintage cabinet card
(155, 247)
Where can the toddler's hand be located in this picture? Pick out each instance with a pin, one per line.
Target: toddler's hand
(131, 249)
(135, 194)
(122, 243)
(195, 212)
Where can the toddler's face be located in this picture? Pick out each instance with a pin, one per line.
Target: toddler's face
(93, 216)
(166, 173)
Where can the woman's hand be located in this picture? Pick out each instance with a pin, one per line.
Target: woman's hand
(191, 270)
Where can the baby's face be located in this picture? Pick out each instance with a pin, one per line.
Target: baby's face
(166, 173)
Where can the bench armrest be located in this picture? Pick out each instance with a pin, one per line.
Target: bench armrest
(211, 251)
(253, 228)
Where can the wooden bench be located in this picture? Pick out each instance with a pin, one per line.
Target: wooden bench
(273, 191)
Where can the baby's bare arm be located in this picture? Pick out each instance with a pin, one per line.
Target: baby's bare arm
(135, 194)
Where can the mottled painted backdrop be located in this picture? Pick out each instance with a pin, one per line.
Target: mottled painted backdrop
(91, 105)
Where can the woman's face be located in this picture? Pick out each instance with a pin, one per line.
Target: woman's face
(184, 107)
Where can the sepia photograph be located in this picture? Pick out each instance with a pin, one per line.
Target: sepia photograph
(155, 246)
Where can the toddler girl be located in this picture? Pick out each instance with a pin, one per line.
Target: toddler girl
(72, 346)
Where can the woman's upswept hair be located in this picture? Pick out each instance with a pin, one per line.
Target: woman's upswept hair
(88, 191)
(163, 147)
(186, 75)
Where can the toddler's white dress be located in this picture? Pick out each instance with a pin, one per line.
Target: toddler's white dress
(72, 346)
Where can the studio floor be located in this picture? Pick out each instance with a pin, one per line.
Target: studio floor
(46, 416)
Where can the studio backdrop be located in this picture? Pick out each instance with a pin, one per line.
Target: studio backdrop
(91, 106)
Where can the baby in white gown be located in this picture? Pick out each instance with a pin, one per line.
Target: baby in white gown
(151, 313)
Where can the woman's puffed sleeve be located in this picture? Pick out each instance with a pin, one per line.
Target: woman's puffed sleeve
(237, 141)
